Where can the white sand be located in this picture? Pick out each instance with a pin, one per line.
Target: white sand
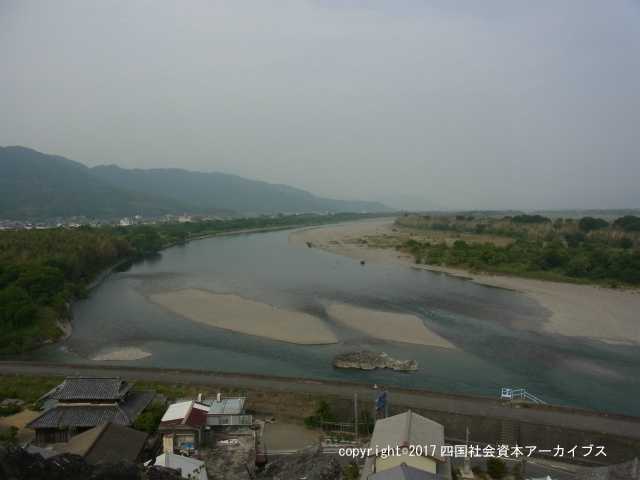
(396, 327)
(600, 313)
(122, 354)
(245, 316)
(605, 314)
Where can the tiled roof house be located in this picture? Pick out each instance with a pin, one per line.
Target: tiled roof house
(81, 403)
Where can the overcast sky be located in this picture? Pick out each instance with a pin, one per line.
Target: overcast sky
(478, 104)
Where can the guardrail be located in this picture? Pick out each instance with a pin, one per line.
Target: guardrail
(521, 394)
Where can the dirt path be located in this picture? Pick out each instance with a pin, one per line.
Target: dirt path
(285, 436)
(19, 420)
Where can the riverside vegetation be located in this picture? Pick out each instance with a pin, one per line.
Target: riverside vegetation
(586, 250)
(43, 271)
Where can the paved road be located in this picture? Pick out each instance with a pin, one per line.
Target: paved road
(569, 418)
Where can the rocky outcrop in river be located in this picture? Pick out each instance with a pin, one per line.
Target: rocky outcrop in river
(369, 360)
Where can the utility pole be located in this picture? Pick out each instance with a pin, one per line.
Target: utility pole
(356, 405)
(375, 405)
(466, 470)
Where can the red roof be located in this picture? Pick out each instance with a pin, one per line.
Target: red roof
(186, 413)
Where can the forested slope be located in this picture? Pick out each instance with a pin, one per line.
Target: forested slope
(41, 271)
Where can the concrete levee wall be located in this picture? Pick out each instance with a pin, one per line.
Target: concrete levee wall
(484, 431)
(616, 449)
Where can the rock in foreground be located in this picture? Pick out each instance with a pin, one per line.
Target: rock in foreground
(17, 464)
(307, 463)
(369, 360)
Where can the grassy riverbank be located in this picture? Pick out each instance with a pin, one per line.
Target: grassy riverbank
(287, 405)
(585, 250)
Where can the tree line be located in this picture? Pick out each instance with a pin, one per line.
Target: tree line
(41, 273)
(584, 250)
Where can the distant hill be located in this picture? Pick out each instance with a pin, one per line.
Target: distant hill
(37, 186)
(412, 203)
(225, 191)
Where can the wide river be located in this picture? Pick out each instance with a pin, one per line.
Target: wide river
(497, 332)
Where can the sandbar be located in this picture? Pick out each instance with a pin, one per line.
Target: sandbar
(589, 311)
(396, 327)
(237, 314)
(132, 353)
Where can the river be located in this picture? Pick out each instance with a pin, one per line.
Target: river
(497, 332)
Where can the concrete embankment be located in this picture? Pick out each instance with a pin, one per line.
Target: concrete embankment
(544, 426)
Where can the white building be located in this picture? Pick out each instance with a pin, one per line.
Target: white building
(187, 466)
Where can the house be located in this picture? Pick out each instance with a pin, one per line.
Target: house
(622, 471)
(405, 472)
(82, 403)
(188, 467)
(110, 442)
(183, 423)
(227, 411)
(406, 438)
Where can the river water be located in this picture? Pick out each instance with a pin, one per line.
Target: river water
(497, 332)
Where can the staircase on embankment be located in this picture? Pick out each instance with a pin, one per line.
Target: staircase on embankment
(507, 433)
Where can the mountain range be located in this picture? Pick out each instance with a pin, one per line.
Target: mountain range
(38, 186)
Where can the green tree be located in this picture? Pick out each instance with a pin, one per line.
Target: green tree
(518, 469)
(496, 468)
(10, 436)
(353, 471)
(588, 224)
(322, 414)
(149, 419)
(626, 243)
(630, 223)
(456, 474)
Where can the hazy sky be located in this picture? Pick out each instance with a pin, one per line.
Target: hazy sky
(473, 104)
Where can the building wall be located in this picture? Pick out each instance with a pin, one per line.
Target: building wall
(214, 420)
(182, 434)
(47, 436)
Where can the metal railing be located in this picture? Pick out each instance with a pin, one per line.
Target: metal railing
(520, 394)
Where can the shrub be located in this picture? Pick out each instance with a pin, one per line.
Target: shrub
(149, 419)
(10, 410)
(10, 436)
(496, 468)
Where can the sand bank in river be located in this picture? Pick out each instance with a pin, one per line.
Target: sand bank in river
(122, 354)
(245, 316)
(396, 327)
(605, 314)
